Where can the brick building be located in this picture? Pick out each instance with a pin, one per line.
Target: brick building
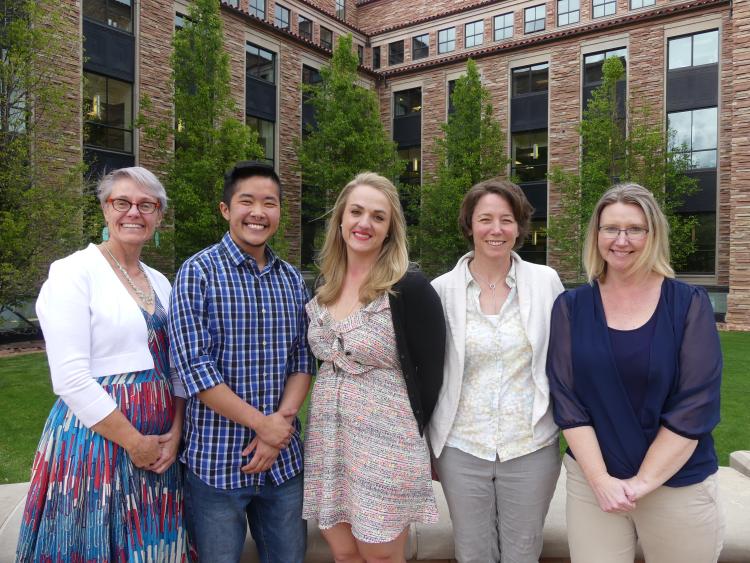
(540, 60)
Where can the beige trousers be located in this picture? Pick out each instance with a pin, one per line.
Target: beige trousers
(673, 524)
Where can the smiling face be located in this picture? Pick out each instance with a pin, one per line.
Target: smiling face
(131, 227)
(253, 214)
(366, 220)
(621, 253)
(494, 228)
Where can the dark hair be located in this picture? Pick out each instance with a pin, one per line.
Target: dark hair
(522, 209)
(247, 169)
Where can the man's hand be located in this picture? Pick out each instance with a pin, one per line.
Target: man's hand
(144, 451)
(275, 430)
(169, 444)
(263, 458)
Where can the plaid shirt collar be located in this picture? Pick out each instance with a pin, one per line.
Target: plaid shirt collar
(239, 257)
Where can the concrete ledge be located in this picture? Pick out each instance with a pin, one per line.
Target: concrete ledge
(434, 543)
(740, 461)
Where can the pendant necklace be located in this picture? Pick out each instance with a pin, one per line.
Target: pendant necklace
(147, 300)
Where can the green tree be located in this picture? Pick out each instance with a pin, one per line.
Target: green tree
(471, 149)
(615, 149)
(40, 190)
(209, 139)
(348, 137)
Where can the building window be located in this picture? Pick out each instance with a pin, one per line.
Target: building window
(703, 260)
(326, 38)
(451, 89)
(114, 13)
(233, 3)
(635, 4)
(281, 18)
(529, 154)
(258, 8)
(503, 26)
(568, 11)
(361, 54)
(447, 40)
(376, 57)
(694, 50)
(593, 63)
(474, 33)
(530, 79)
(420, 47)
(265, 130)
(341, 9)
(695, 132)
(533, 18)
(395, 53)
(260, 63)
(107, 113)
(305, 28)
(604, 7)
(407, 102)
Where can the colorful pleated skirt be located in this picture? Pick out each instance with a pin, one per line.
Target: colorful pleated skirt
(87, 501)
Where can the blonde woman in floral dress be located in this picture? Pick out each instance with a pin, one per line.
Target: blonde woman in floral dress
(379, 332)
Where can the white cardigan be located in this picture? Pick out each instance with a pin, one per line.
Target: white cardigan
(537, 287)
(92, 328)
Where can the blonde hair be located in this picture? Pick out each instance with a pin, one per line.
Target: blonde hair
(655, 255)
(393, 260)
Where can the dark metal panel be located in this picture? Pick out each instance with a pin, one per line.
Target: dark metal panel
(536, 193)
(703, 200)
(407, 130)
(108, 51)
(260, 98)
(528, 112)
(693, 87)
(100, 162)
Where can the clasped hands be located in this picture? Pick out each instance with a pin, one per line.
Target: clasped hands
(273, 434)
(619, 495)
(155, 452)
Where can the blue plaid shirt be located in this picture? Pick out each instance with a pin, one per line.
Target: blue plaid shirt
(231, 323)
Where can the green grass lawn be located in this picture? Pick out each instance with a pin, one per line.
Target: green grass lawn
(26, 399)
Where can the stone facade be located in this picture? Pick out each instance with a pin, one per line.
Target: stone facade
(379, 22)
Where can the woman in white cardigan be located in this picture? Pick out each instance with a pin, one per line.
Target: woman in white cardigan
(492, 432)
(104, 485)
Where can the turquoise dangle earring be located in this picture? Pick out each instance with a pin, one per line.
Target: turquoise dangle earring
(157, 239)
(105, 234)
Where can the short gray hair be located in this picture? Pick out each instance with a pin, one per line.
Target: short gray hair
(140, 176)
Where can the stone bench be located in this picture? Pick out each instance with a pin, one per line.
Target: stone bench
(434, 543)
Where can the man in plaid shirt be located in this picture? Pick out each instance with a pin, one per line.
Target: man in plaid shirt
(238, 332)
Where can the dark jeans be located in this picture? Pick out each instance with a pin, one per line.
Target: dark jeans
(216, 520)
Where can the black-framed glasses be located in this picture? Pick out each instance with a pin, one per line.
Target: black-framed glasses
(124, 205)
(631, 233)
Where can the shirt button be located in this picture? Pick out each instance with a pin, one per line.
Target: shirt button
(264, 343)
(262, 310)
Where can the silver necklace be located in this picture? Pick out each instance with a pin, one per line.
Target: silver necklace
(492, 286)
(148, 300)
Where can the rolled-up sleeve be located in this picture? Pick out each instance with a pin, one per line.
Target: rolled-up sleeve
(567, 409)
(64, 313)
(190, 338)
(692, 408)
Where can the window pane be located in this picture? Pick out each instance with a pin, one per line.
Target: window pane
(395, 52)
(503, 26)
(360, 54)
(265, 135)
(94, 97)
(539, 78)
(679, 52)
(680, 122)
(341, 9)
(704, 129)
(282, 17)
(420, 46)
(258, 8)
(95, 10)
(407, 102)
(120, 14)
(474, 33)
(521, 78)
(530, 155)
(446, 40)
(702, 261)
(375, 57)
(326, 38)
(706, 48)
(119, 104)
(259, 63)
(305, 28)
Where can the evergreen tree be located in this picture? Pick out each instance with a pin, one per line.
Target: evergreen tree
(618, 150)
(40, 191)
(209, 139)
(348, 137)
(471, 150)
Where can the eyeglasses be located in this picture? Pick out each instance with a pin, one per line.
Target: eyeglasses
(145, 207)
(631, 233)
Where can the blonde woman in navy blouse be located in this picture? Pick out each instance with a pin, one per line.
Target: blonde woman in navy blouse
(635, 370)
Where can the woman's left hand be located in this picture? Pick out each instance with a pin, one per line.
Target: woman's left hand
(169, 444)
(639, 488)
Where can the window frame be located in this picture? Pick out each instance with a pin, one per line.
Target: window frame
(529, 70)
(603, 6)
(576, 11)
(409, 95)
(127, 131)
(340, 9)
(448, 42)
(260, 120)
(420, 51)
(474, 35)
(107, 21)
(690, 150)
(376, 60)
(643, 4)
(278, 17)
(392, 50)
(495, 28)
(326, 44)
(304, 20)
(534, 22)
(254, 9)
(692, 37)
(248, 46)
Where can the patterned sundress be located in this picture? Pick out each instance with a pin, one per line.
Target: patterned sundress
(87, 501)
(365, 462)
